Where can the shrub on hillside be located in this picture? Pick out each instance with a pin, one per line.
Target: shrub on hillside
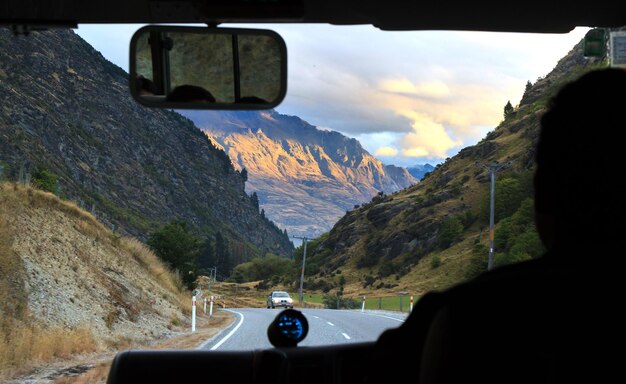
(44, 180)
(269, 267)
(178, 247)
(450, 232)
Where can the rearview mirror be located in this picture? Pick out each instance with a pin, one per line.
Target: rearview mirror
(207, 68)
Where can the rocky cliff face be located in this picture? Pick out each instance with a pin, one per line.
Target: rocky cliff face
(65, 108)
(305, 178)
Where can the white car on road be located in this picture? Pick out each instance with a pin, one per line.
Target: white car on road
(279, 299)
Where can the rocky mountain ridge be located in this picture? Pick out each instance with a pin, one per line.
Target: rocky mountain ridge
(305, 178)
(65, 109)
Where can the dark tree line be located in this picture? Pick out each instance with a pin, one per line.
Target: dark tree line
(189, 254)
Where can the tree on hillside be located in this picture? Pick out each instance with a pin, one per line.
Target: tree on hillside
(342, 284)
(477, 262)
(509, 194)
(244, 174)
(516, 238)
(223, 260)
(529, 85)
(508, 110)
(254, 198)
(264, 268)
(178, 247)
(206, 256)
(450, 232)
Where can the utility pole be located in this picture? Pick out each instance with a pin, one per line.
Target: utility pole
(493, 168)
(213, 274)
(300, 296)
(212, 277)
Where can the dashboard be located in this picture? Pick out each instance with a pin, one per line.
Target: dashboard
(286, 363)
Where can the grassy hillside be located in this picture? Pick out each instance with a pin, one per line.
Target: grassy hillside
(435, 234)
(69, 285)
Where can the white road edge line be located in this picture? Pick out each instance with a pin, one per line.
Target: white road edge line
(386, 317)
(345, 335)
(316, 317)
(329, 323)
(232, 332)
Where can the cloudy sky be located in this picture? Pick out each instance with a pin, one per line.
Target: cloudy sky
(408, 97)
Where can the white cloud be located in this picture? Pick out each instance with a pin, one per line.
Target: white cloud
(403, 86)
(416, 152)
(386, 151)
(431, 91)
(429, 139)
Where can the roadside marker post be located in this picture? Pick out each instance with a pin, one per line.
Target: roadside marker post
(411, 306)
(211, 308)
(363, 305)
(193, 313)
(205, 300)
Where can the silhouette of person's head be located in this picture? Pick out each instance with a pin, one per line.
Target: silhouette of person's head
(252, 100)
(145, 86)
(190, 93)
(579, 186)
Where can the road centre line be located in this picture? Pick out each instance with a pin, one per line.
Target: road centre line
(329, 323)
(345, 335)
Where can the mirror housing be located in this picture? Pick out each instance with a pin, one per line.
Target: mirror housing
(207, 68)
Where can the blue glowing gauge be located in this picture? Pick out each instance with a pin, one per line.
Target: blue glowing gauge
(288, 329)
(290, 326)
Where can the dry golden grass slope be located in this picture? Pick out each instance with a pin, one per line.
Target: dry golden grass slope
(69, 285)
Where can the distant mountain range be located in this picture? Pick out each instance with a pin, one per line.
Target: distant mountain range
(305, 178)
(418, 171)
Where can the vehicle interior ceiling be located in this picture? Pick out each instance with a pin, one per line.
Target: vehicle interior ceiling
(556, 17)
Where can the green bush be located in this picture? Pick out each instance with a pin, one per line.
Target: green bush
(270, 267)
(337, 301)
(44, 180)
(478, 261)
(386, 269)
(368, 280)
(510, 192)
(178, 247)
(318, 285)
(450, 232)
(435, 262)
(516, 238)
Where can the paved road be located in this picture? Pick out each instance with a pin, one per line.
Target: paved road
(326, 326)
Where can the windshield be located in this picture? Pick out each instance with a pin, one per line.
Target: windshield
(128, 227)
